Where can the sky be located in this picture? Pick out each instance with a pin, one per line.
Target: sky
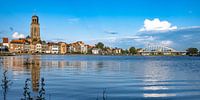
(116, 23)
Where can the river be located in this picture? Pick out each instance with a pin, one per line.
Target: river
(79, 77)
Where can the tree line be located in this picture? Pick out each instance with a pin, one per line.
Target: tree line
(132, 50)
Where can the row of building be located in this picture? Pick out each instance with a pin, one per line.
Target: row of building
(33, 44)
(24, 45)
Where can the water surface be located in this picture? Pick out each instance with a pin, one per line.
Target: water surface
(123, 77)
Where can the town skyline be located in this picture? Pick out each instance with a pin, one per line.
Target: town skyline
(115, 25)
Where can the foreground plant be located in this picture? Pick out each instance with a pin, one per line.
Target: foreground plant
(27, 93)
(41, 93)
(5, 84)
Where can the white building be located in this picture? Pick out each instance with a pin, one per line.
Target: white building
(96, 51)
(55, 49)
(83, 48)
(38, 48)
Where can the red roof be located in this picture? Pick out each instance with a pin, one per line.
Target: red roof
(22, 41)
(5, 40)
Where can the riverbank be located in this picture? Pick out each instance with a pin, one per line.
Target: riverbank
(90, 55)
(70, 54)
(7, 54)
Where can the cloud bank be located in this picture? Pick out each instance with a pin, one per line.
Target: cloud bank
(17, 35)
(157, 25)
(179, 39)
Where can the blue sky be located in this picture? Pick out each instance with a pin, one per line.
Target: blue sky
(118, 23)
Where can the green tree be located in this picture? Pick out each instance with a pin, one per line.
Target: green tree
(132, 50)
(192, 51)
(125, 51)
(99, 45)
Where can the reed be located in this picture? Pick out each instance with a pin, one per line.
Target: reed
(5, 84)
(27, 93)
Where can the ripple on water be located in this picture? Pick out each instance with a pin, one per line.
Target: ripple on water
(124, 77)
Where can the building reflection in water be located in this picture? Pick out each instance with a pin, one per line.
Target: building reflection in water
(35, 73)
(18, 66)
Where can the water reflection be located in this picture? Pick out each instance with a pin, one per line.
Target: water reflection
(35, 73)
(18, 66)
(158, 95)
(125, 77)
(156, 74)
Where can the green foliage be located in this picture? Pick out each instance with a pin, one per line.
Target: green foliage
(132, 50)
(27, 37)
(192, 51)
(125, 51)
(99, 45)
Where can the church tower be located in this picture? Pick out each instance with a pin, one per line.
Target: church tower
(35, 29)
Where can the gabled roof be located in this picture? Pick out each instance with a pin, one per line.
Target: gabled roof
(19, 41)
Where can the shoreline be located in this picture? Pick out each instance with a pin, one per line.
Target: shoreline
(10, 54)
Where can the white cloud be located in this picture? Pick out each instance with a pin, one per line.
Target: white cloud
(157, 25)
(17, 35)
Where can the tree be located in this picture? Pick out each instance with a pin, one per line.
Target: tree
(192, 51)
(99, 45)
(132, 50)
(28, 37)
(125, 51)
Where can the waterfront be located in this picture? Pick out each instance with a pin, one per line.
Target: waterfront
(79, 77)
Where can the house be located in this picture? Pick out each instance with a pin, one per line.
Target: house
(6, 42)
(27, 47)
(62, 47)
(72, 48)
(96, 51)
(17, 46)
(55, 48)
(78, 47)
(38, 48)
(117, 51)
(107, 50)
(89, 48)
(44, 47)
(3, 48)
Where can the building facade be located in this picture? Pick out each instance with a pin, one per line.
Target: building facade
(62, 48)
(35, 30)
